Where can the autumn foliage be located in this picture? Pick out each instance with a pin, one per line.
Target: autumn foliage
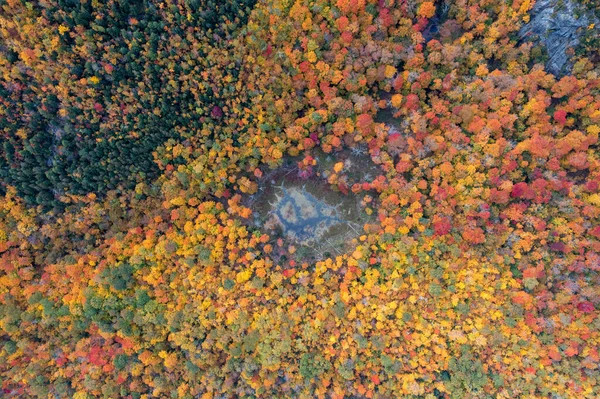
(133, 131)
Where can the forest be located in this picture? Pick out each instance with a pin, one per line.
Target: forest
(299, 199)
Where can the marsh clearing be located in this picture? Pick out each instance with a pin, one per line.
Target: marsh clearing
(306, 211)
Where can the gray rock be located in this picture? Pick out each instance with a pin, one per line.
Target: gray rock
(555, 24)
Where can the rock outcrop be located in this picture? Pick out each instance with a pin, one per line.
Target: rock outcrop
(558, 25)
